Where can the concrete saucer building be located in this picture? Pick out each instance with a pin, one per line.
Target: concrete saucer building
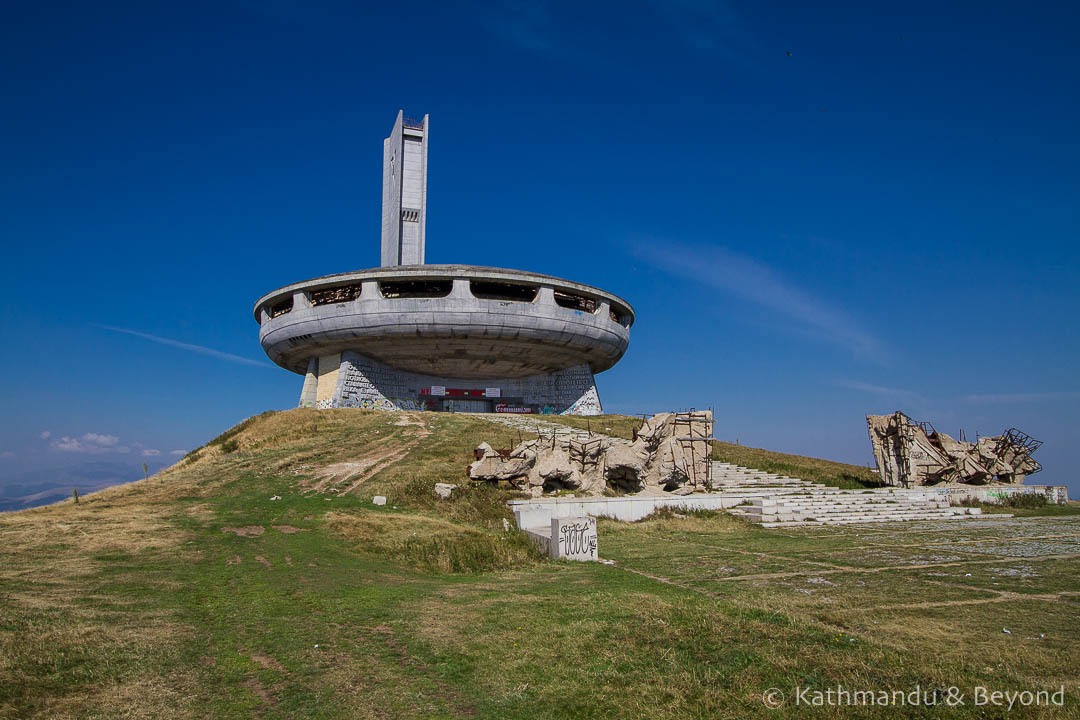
(460, 338)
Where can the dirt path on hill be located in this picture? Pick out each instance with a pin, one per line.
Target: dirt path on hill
(381, 456)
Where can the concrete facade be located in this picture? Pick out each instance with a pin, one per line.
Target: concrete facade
(539, 513)
(351, 380)
(404, 199)
(1055, 494)
(459, 335)
(366, 383)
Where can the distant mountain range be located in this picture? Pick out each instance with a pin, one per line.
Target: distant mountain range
(32, 488)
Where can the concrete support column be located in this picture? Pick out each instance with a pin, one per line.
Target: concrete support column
(369, 290)
(328, 370)
(546, 296)
(310, 391)
(300, 300)
(461, 289)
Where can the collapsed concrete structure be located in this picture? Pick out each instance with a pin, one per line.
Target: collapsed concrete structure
(911, 453)
(669, 454)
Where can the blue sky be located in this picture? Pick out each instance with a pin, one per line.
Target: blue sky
(817, 212)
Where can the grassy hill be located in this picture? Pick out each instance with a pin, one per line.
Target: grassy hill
(256, 579)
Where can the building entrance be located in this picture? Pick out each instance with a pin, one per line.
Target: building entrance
(467, 405)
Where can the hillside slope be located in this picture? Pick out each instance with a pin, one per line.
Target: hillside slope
(257, 579)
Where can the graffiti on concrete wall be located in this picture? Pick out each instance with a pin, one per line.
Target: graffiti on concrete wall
(574, 538)
(367, 384)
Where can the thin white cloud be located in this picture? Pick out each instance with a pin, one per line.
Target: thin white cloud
(177, 453)
(995, 398)
(150, 452)
(7, 454)
(883, 391)
(45, 434)
(68, 444)
(92, 443)
(750, 280)
(187, 346)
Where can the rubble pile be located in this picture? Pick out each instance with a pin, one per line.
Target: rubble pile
(669, 454)
(913, 453)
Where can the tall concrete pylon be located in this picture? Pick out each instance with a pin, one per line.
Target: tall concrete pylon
(404, 192)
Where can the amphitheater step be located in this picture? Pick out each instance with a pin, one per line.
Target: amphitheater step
(810, 523)
(776, 501)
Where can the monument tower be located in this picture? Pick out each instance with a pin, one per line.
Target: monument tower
(463, 338)
(404, 195)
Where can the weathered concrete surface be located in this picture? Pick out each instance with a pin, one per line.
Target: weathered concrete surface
(445, 490)
(458, 336)
(539, 512)
(571, 538)
(404, 200)
(670, 453)
(364, 383)
(1054, 494)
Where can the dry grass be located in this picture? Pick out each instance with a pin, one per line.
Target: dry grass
(826, 472)
(55, 621)
(432, 543)
(60, 542)
(143, 698)
(620, 426)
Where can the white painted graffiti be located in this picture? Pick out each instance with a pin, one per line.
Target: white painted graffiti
(577, 539)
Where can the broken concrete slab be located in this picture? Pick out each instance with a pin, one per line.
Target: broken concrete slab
(669, 453)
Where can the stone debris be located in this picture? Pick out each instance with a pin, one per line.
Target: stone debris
(910, 453)
(444, 490)
(669, 454)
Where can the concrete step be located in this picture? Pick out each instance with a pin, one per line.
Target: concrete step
(909, 514)
(775, 500)
(812, 523)
(847, 512)
(838, 507)
(786, 501)
(843, 507)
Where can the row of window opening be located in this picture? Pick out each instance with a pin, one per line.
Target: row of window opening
(481, 289)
